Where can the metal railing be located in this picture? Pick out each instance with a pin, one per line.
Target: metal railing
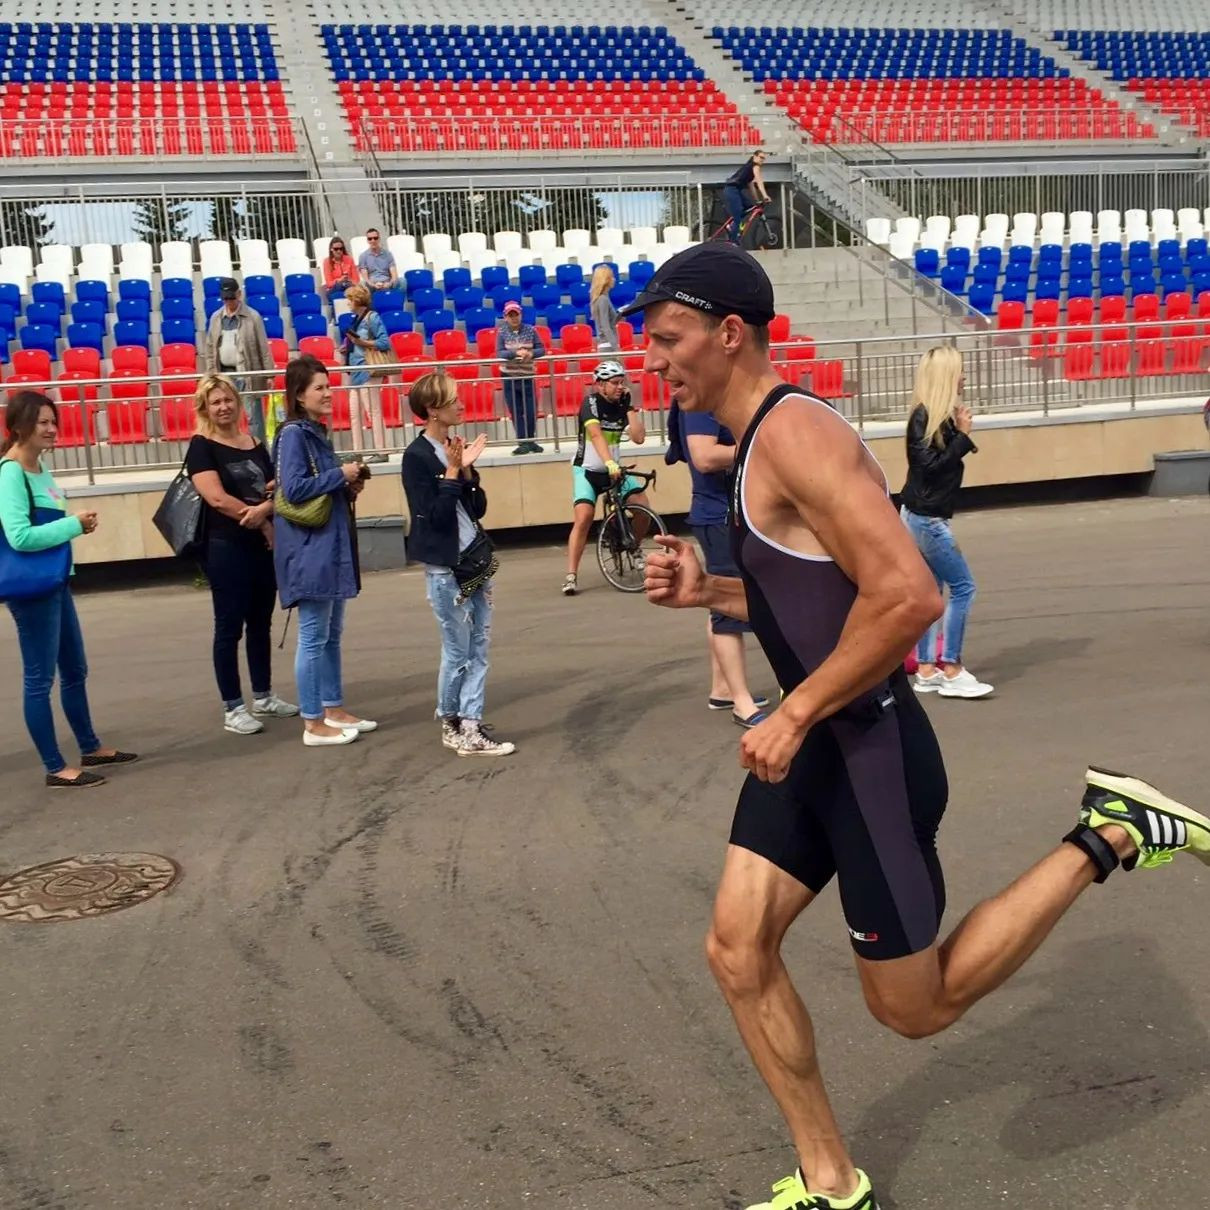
(109, 212)
(553, 135)
(119, 426)
(143, 137)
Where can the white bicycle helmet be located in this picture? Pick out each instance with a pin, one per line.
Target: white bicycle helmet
(607, 370)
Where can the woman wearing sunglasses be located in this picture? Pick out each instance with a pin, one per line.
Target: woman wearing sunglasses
(340, 270)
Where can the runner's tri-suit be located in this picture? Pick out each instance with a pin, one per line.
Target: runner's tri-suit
(866, 791)
(589, 474)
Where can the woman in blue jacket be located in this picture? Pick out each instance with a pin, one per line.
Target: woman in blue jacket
(317, 567)
(34, 518)
(367, 331)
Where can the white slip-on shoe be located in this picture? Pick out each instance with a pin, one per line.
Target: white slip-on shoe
(312, 740)
(240, 722)
(362, 726)
(963, 685)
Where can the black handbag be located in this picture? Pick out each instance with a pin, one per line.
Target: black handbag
(476, 565)
(180, 517)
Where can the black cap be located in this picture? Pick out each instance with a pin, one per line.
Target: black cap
(717, 279)
(228, 288)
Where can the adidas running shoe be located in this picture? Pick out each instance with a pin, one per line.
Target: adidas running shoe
(791, 1194)
(1160, 826)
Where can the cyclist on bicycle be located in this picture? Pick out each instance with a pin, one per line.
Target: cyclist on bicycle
(604, 415)
(748, 178)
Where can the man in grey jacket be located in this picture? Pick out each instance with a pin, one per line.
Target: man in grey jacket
(236, 345)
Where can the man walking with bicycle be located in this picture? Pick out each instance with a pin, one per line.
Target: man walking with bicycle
(747, 178)
(845, 778)
(605, 415)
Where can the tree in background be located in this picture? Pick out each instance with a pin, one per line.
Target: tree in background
(158, 220)
(21, 223)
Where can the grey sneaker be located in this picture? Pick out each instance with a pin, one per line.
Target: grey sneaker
(570, 586)
(472, 742)
(273, 707)
(240, 722)
(450, 733)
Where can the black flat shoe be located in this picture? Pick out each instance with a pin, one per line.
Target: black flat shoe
(118, 758)
(82, 782)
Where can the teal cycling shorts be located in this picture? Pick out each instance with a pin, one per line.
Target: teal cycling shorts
(587, 486)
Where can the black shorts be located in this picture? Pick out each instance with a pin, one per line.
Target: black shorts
(862, 800)
(715, 541)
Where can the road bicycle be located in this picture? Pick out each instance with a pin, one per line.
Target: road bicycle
(757, 229)
(627, 534)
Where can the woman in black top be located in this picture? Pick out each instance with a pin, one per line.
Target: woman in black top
(736, 187)
(938, 439)
(233, 475)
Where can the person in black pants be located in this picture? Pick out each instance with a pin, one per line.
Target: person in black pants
(233, 474)
(745, 180)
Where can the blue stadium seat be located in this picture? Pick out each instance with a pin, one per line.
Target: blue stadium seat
(177, 308)
(435, 321)
(559, 317)
(85, 336)
(274, 327)
(397, 321)
(133, 310)
(640, 272)
(44, 315)
(567, 275)
(310, 324)
(455, 279)
(178, 331)
(505, 293)
(299, 283)
(528, 276)
(305, 304)
(545, 296)
(418, 279)
(50, 293)
(135, 289)
(10, 296)
(478, 319)
(429, 299)
(265, 305)
(212, 285)
(176, 287)
(466, 298)
(928, 261)
(386, 301)
(494, 276)
(262, 284)
(40, 336)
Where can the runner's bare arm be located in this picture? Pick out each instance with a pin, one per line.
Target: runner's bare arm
(824, 473)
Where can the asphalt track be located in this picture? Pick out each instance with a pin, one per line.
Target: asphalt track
(389, 977)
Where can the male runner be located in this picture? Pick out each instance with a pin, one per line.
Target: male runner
(846, 777)
(605, 415)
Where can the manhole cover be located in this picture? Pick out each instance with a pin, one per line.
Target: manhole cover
(88, 885)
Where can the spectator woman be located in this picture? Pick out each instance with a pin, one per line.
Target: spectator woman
(34, 518)
(938, 439)
(340, 269)
(604, 313)
(367, 331)
(316, 563)
(518, 346)
(446, 503)
(233, 475)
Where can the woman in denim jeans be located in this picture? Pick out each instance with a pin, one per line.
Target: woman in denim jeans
(938, 439)
(317, 567)
(48, 630)
(446, 502)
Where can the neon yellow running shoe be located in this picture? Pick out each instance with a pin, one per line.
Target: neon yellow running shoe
(791, 1194)
(1159, 825)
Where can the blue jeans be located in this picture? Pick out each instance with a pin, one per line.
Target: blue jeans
(935, 540)
(48, 632)
(317, 660)
(519, 396)
(733, 199)
(466, 635)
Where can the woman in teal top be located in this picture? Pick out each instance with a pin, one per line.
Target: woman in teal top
(48, 629)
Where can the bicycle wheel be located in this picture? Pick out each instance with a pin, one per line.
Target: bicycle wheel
(622, 552)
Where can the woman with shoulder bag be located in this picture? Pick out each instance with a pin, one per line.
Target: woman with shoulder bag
(35, 523)
(315, 550)
(233, 474)
(365, 344)
(938, 439)
(446, 503)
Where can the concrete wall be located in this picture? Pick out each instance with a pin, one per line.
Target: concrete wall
(537, 491)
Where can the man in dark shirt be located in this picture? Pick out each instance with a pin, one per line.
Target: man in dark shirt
(710, 452)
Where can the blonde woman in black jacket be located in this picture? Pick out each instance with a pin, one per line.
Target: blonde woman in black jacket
(938, 439)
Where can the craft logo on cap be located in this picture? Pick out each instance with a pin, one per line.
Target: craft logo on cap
(688, 299)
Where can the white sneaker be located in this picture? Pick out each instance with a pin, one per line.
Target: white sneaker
(240, 722)
(362, 725)
(313, 740)
(450, 734)
(928, 684)
(472, 742)
(963, 685)
(570, 586)
(273, 707)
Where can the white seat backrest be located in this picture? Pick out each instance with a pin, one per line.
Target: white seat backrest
(10, 277)
(1134, 219)
(446, 260)
(54, 271)
(932, 239)
(902, 244)
(60, 255)
(176, 250)
(516, 258)
(1192, 231)
(436, 243)
(996, 222)
(98, 255)
(1188, 216)
(471, 241)
(644, 237)
(543, 241)
(402, 244)
(966, 231)
(1052, 219)
(1080, 231)
(506, 241)
(301, 264)
(938, 224)
(18, 259)
(1162, 217)
(357, 245)
(610, 237)
(878, 230)
(407, 261)
(476, 262)
(1109, 218)
(1026, 221)
(677, 236)
(138, 253)
(908, 227)
(1206, 217)
(319, 247)
(292, 250)
(578, 237)
(992, 237)
(254, 250)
